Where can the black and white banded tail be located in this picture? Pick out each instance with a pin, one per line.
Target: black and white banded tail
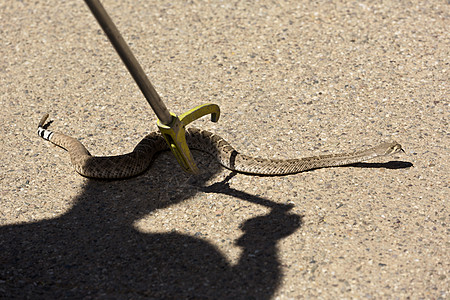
(42, 132)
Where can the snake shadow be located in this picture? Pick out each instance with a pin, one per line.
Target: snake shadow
(93, 250)
(394, 164)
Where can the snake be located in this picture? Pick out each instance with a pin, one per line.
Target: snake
(140, 159)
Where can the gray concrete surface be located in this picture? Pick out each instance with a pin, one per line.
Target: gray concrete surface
(293, 78)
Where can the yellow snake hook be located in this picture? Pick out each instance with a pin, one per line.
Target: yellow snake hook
(174, 133)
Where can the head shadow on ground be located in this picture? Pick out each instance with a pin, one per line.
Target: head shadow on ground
(93, 250)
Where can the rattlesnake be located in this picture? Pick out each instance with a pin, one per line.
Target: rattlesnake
(136, 162)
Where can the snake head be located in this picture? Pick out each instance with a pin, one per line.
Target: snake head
(387, 149)
(394, 148)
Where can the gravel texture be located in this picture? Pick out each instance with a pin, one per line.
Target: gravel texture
(292, 78)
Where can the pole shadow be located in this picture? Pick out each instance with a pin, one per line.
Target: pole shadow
(93, 251)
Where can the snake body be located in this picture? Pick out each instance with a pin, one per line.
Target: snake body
(137, 161)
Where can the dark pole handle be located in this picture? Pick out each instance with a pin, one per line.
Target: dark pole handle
(130, 61)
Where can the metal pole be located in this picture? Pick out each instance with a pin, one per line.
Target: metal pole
(130, 61)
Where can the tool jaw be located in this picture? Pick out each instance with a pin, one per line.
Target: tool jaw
(175, 133)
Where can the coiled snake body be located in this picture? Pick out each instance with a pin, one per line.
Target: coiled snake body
(137, 161)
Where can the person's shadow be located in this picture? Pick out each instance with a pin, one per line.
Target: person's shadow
(94, 251)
